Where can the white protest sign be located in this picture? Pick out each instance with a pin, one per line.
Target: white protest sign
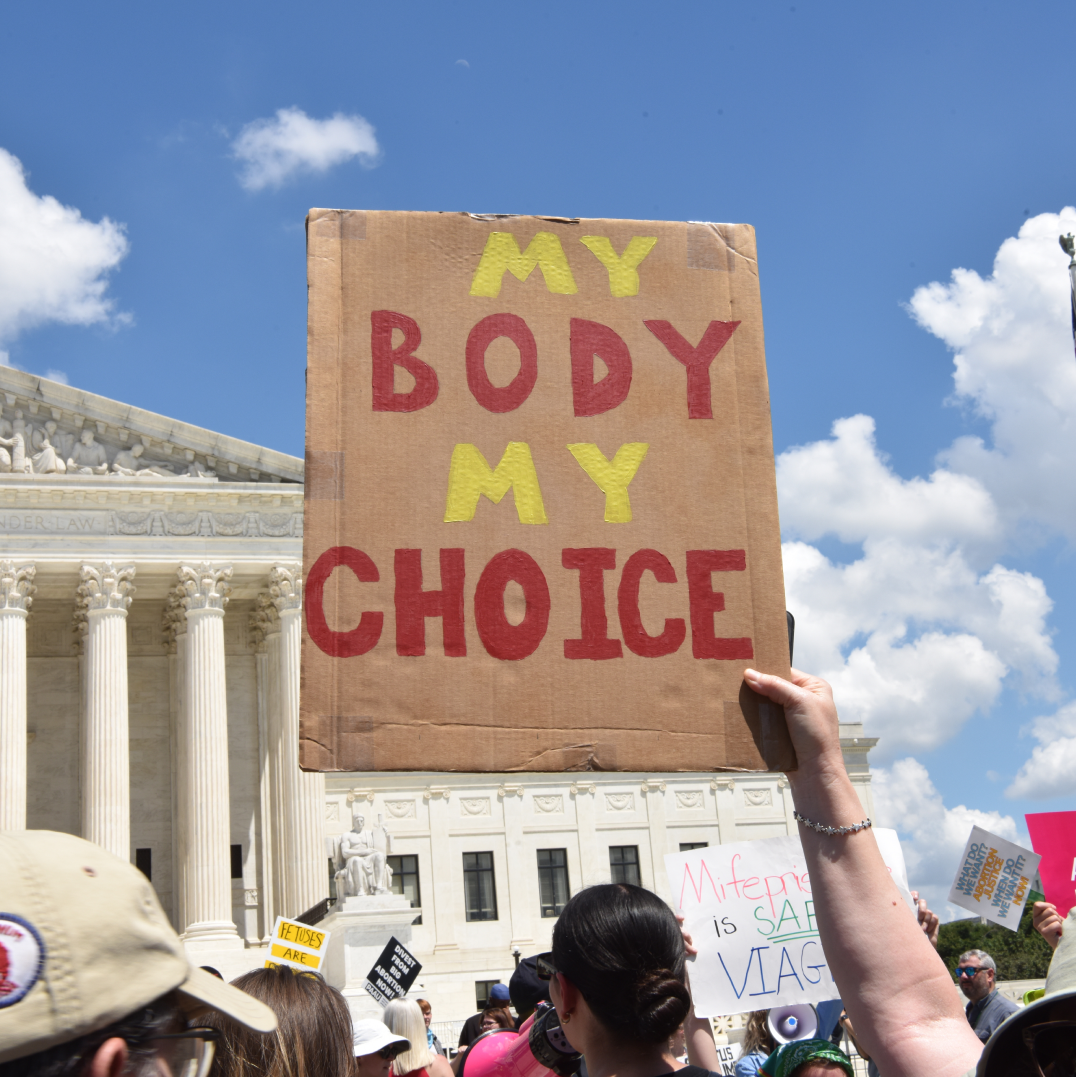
(993, 878)
(297, 945)
(751, 915)
(727, 1054)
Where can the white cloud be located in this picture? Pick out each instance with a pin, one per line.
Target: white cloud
(54, 264)
(56, 375)
(844, 487)
(1051, 770)
(914, 639)
(273, 151)
(933, 836)
(1014, 366)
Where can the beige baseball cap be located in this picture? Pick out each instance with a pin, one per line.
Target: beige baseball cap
(84, 942)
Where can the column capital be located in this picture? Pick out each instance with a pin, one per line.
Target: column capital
(286, 586)
(173, 619)
(204, 586)
(17, 586)
(264, 621)
(102, 586)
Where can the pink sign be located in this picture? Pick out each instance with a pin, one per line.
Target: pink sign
(1053, 837)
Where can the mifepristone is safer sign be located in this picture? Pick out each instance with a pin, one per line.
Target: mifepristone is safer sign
(541, 522)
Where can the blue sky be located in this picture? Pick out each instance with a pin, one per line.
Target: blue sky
(874, 148)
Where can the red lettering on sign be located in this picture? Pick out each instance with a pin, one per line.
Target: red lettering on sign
(499, 636)
(490, 396)
(594, 625)
(413, 605)
(589, 339)
(697, 360)
(368, 631)
(637, 639)
(386, 358)
(705, 602)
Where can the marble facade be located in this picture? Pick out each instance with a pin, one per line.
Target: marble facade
(150, 623)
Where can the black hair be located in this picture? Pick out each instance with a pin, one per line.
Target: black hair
(622, 948)
(137, 1029)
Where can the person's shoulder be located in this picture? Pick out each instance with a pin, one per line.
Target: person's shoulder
(1006, 1004)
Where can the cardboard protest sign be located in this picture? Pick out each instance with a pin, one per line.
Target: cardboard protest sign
(297, 945)
(393, 974)
(1053, 837)
(727, 1054)
(610, 376)
(749, 909)
(993, 878)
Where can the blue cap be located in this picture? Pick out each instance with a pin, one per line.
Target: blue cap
(499, 992)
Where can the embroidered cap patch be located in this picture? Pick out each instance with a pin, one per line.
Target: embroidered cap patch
(22, 956)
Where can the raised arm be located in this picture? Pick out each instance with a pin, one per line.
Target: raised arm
(896, 989)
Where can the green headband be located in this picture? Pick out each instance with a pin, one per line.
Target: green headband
(790, 1056)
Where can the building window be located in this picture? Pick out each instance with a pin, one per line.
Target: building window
(237, 861)
(482, 989)
(405, 880)
(624, 864)
(687, 846)
(480, 891)
(553, 880)
(144, 862)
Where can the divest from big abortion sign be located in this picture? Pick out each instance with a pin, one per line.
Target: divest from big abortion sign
(541, 520)
(751, 915)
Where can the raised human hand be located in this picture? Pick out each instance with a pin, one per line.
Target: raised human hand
(928, 920)
(1047, 922)
(810, 713)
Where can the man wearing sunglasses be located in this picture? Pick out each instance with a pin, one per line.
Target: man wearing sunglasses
(95, 982)
(976, 973)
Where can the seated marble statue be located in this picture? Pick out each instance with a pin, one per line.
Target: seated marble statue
(88, 457)
(15, 460)
(128, 462)
(49, 457)
(365, 869)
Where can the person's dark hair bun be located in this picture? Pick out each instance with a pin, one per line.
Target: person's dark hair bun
(661, 1004)
(622, 948)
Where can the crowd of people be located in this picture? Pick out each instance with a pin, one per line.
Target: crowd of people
(95, 983)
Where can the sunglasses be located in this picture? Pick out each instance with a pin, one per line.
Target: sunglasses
(1052, 1044)
(969, 970)
(187, 1054)
(388, 1053)
(544, 968)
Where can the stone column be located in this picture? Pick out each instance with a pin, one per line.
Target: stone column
(104, 595)
(593, 865)
(523, 910)
(207, 870)
(174, 627)
(264, 621)
(306, 877)
(446, 867)
(16, 595)
(653, 791)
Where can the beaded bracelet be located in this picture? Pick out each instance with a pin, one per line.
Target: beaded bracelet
(821, 828)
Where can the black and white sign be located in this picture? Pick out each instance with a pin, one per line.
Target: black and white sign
(393, 974)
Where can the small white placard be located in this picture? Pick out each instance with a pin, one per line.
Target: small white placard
(993, 878)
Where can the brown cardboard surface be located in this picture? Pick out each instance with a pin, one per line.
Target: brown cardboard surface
(378, 486)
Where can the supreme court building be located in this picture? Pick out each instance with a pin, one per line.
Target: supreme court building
(150, 627)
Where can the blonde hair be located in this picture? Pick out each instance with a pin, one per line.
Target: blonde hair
(313, 1036)
(404, 1019)
(757, 1037)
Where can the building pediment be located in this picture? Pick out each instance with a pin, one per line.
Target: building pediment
(51, 429)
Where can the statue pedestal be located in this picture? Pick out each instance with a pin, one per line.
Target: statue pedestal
(359, 929)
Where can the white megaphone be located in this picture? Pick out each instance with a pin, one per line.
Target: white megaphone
(788, 1023)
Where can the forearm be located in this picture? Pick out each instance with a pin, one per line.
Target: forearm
(699, 1037)
(896, 989)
